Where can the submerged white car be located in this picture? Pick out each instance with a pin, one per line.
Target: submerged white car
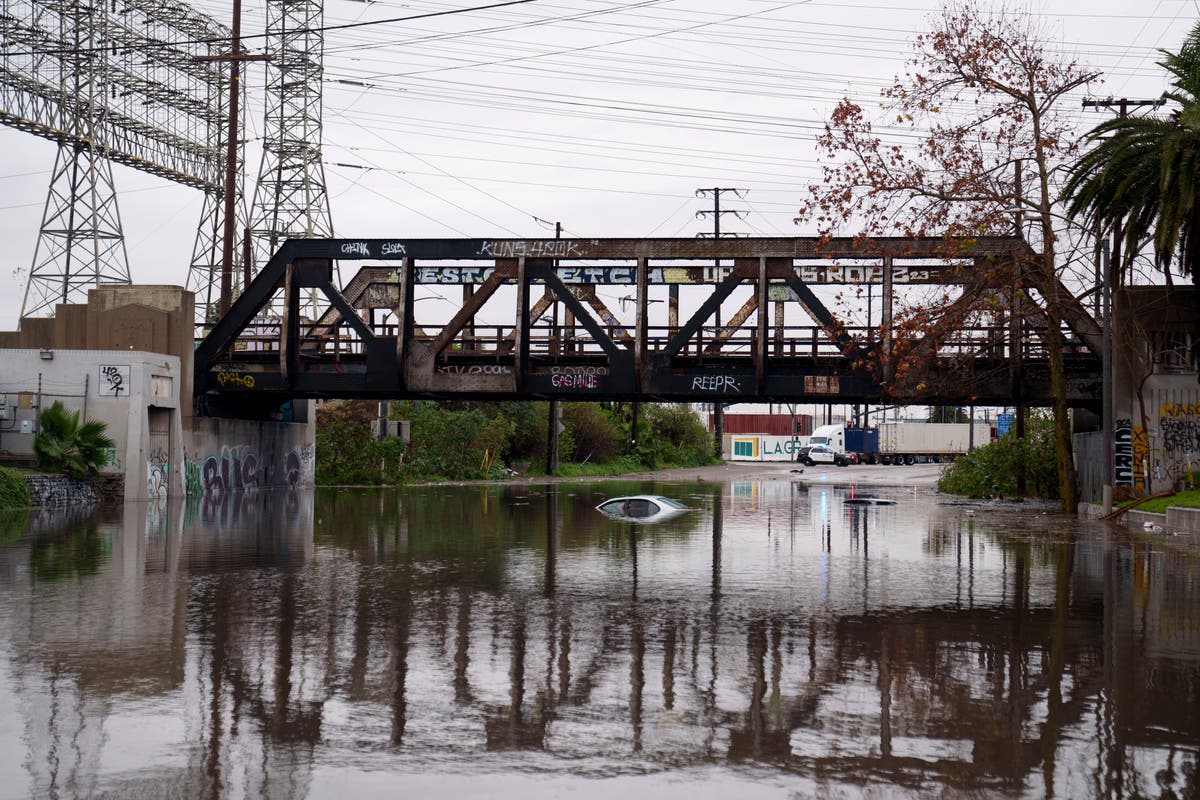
(642, 508)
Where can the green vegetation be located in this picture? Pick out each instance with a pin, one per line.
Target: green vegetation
(1139, 174)
(618, 466)
(991, 470)
(76, 551)
(13, 491)
(65, 445)
(12, 524)
(1188, 498)
(470, 441)
(672, 435)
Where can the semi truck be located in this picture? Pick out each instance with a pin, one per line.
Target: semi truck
(903, 442)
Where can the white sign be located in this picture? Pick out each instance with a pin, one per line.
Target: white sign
(114, 380)
(780, 448)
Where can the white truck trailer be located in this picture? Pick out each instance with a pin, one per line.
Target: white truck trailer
(904, 442)
(929, 442)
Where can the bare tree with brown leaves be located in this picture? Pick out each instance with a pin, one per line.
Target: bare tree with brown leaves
(981, 99)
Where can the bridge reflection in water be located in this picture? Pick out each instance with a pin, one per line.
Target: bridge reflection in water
(281, 646)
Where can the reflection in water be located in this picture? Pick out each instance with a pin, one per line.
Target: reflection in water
(279, 645)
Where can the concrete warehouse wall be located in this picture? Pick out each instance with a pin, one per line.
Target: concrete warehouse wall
(135, 394)
(1156, 398)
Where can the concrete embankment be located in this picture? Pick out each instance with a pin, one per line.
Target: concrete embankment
(1178, 522)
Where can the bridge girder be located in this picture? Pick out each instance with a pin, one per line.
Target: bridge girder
(348, 352)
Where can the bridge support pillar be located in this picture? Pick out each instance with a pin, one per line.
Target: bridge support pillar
(718, 430)
(552, 438)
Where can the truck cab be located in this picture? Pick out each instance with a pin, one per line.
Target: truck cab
(852, 445)
(831, 436)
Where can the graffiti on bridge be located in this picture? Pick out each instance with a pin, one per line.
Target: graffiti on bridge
(241, 468)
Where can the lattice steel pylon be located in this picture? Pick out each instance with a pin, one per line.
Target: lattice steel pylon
(80, 243)
(290, 199)
(107, 82)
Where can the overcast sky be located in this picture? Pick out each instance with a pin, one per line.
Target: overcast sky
(603, 115)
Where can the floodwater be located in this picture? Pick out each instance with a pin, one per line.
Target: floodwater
(512, 642)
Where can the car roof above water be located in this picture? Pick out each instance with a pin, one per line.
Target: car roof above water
(657, 498)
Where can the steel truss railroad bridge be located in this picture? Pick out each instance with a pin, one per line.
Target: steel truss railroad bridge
(369, 343)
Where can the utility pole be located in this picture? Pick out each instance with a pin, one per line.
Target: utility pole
(1016, 329)
(717, 211)
(1109, 269)
(235, 56)
(1106, 391)
(555, 414)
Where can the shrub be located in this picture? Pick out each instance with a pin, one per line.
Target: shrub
(594, 432)
(347, 451)
(63, 445)
(14, 493)
(673, 435)
(991, 470)
(528, 419)
(454, 444)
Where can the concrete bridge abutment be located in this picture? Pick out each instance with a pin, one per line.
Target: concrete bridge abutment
(125, 358)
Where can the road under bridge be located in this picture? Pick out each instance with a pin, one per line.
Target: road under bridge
(558, 338)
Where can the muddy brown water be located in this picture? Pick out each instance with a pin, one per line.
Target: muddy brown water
(511, 642)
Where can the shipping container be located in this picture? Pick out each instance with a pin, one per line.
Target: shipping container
(766, 424)
(920, 442)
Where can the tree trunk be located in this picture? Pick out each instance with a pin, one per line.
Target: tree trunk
(1191, 263)
(1068, 491)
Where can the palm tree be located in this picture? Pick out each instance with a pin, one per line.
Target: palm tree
(63, 445)
(1142, 172)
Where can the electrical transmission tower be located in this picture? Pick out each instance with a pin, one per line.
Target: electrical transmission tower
(80, 242)
(290, 199)
(98, 80)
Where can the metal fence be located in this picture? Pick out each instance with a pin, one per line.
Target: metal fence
(1089, 465)
(21, 402)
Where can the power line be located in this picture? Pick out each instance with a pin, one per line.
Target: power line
(223, 40)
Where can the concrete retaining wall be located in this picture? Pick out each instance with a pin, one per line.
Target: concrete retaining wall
(223, 455)
(55, 491)
(1181, 524)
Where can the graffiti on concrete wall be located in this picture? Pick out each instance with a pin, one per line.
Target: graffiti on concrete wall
(191, 478)
(234, 468)
(158, 474)
(1131, 447)
(1141, 457)
(240, 468)
(114, 380)
(1123, 450)
(1179, 426)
